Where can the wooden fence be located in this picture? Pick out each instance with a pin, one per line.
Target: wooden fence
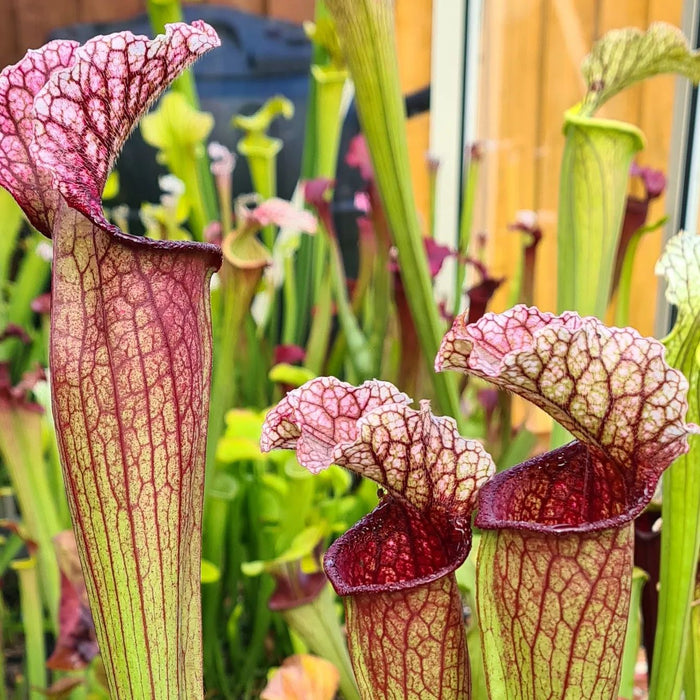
(532, 50)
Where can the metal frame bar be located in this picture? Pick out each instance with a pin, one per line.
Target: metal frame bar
(454, 86)
(683, 189)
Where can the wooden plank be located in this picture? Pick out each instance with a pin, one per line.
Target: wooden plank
(656, 121)
(413, 37)
(542, 81)
(101, 11)
(26, 23)
(513, 41)
(532, 53)
(10, 50)
(257, 7)
(34, 20)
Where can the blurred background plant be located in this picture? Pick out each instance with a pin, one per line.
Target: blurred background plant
(300, 294)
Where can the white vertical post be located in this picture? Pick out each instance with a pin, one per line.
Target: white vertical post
(453, 108)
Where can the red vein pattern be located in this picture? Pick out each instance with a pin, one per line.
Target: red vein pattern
(610, 387)
(29, 184)
(130, 351)
(555, 561)
(403, 608)
(418, 457)
(557, 605)
(323, 412)
(83, 115)
(130, 363)
(396, 566)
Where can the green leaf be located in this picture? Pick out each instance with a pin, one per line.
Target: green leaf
(253, 568)
(680, 541)
(633, 636)
(175, 125)
(257, 124)
(237, 450)
(244, 423)
(301, 548)
(625, 56)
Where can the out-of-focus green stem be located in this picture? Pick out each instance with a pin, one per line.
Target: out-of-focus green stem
(680, 512)
(366, 31)
(223, 490)
(624, 288)
(382, 305)
(317, 624)
(317, 346)
(160, 13)
(54, 474)
(515, 295)
(360, 356)
(632, 636)
(260, 150)
(680, 541)
(261, 612)
(465, 226)
(262, 161)
(329, 93)
(235, 294)
(329, 82)
(31, 279)
(291, 305)
(20, 446)
(691, 676)
(11, 217)
(33, 625)
(11, 547)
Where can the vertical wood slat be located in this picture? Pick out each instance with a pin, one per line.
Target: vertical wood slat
(523, 99)
(570, 30)
(413, 38)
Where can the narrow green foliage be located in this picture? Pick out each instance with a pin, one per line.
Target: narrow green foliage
(33, 624)
(366, 31)
(11, 218)
(680, 540)
(633, 636)
(260, 150)
(20, 447)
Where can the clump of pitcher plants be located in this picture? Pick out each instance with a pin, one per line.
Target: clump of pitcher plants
(555, 560)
